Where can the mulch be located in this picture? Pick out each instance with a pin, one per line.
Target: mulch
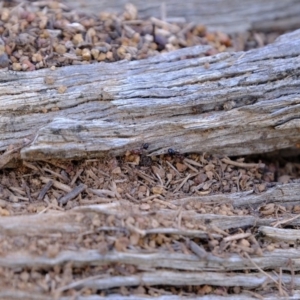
(167, 226)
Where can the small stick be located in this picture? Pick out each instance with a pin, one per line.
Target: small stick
(74, 193)
(78, 173)
(163, 13)
(196, 249)
(44, 190)
(242, 165)
(182, 183)
(191, 167)
(285, 221)
(55, 174)
(237, 236)
(260, 269)
(57, 184)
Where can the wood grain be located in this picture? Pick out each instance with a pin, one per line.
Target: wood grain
(245, 103)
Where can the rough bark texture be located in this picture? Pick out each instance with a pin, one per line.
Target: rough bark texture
(224, 15)
(244, 103)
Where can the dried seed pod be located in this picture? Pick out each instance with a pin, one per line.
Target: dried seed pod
(37, 57)
(86, 54)
(109, 55)
(43, 22)
(25, 67)
(95, 53)
(158, 190)
(121, 51)
(91, 33)
(60, 49)
(77, 39)
(16, 66)
(101, 57)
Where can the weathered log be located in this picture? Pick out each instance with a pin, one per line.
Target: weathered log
(165, 266)
(227, 15)
(285, 194)
(245, 103)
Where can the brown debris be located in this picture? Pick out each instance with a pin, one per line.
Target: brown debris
(39, 35)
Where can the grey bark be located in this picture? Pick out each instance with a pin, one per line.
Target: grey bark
(245, 103)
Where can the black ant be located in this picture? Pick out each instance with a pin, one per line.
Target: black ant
(176, 154)
(140, 151)
(144, 159)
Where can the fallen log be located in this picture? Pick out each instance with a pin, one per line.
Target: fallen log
(155, 267)
(244, 103)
